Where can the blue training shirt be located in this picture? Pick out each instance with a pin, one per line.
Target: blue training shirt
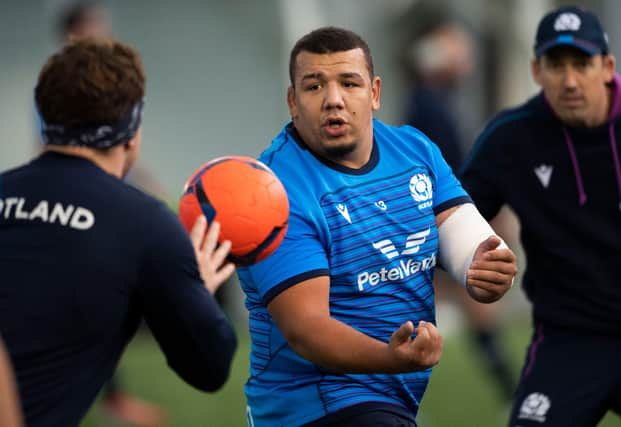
(373, 231)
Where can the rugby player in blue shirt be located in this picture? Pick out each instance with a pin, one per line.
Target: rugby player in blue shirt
(84, 257)
(342, 314)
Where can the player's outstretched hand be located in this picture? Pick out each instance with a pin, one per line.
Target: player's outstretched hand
(492, 271)
(212, 264)
(419, 353)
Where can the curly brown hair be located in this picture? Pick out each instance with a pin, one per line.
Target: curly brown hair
(90, 82)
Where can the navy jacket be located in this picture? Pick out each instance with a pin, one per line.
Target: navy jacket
(564, 184)
(83, 258)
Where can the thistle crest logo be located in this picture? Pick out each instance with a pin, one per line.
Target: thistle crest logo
(535, 407)
(421, 190)
(567, 22)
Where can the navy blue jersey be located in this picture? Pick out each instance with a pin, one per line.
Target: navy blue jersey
(564, 184)
(373, 232)
(83, 257)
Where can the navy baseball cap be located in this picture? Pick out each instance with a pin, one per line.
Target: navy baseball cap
(571, 26)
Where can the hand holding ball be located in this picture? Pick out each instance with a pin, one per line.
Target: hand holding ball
(248, 201)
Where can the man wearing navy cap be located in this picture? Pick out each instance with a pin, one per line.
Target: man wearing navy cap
(556, 161)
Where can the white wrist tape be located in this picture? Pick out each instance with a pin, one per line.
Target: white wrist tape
(459, 237)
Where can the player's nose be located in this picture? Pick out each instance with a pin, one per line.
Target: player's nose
(333, 96)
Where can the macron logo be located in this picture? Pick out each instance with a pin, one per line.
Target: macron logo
(544, 173)
(343, 211)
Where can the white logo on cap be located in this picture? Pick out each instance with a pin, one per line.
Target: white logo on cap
(567, 22)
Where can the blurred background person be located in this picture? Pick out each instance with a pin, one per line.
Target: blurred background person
(437, 60)
(83, 18)
(10, 408)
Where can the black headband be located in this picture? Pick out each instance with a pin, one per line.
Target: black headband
(102, 136)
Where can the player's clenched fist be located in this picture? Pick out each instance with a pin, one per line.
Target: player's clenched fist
(419, 353)
(492, 271)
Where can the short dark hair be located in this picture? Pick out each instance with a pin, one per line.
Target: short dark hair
(329, 40)
(90, 82)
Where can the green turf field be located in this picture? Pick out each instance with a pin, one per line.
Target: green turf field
(459, 394)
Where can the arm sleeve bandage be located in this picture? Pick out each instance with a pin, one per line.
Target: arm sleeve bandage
(459, 237)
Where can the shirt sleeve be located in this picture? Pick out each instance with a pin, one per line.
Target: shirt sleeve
(185, 319)
(300, 256)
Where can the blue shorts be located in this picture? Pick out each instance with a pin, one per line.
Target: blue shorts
(570, 378)
(367, 415)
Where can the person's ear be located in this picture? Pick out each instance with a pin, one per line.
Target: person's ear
(293, 109)
(535, 69)
(609, 64)
(135, 141)
(376, 89)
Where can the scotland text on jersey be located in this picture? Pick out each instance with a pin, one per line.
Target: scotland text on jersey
(75, 217)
